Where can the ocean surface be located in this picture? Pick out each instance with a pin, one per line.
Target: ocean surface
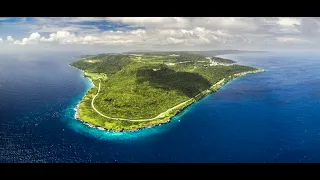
(266, 117)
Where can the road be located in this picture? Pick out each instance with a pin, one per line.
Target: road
(141, 120)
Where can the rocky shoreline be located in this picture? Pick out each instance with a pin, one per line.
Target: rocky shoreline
(77, 115)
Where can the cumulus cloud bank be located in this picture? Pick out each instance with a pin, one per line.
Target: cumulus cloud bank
(164, 32)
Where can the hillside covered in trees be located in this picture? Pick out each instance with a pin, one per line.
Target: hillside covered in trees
(139, 90)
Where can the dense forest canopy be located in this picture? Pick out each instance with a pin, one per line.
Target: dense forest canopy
(143, 85)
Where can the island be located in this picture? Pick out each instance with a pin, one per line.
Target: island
(139, 90)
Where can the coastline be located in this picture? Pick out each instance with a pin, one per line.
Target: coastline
(77, 115)
(166, 120)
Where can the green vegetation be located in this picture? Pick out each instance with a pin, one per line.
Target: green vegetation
(145, 89)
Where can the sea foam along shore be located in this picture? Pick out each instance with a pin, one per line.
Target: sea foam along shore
(218, 86)
(76, 115)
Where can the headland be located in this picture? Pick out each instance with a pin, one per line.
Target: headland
(136, 91)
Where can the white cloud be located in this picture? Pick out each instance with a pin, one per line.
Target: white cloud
(245, 24)
(135, 37)
(159, 22)
(33, 39)
(288, 21)
(85, 19)
(50, 28)
(56, 20)
(10, 38)
(176, 32)
(291, 40)
(1, 41)
(231, 23)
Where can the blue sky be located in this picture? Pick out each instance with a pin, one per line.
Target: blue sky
(162, 33)
(21, 27)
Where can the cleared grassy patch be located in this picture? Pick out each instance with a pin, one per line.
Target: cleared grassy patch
(96, 76)
(92, 61)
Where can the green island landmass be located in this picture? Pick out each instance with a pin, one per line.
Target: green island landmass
(138, 90)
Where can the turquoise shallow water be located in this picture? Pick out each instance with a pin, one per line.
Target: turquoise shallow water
(265, 117)
(84, 129)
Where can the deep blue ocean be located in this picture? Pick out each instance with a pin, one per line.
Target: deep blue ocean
(272, 116)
